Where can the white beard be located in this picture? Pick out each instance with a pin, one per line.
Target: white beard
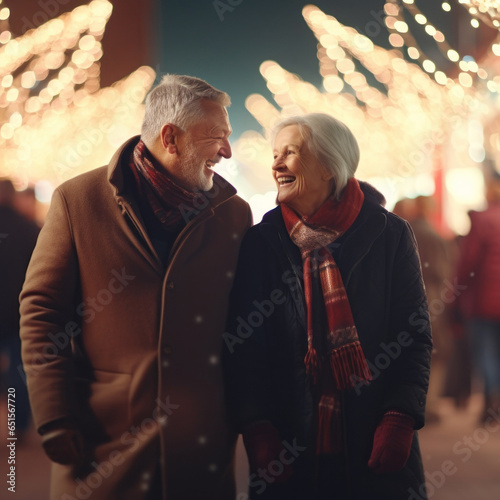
(194, 173)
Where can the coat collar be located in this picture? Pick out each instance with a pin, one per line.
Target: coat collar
(220, 192)
(120, 185)
(348, 250)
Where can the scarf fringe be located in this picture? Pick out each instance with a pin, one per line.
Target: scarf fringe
(349, 366)
(329, 435)
(313, 364)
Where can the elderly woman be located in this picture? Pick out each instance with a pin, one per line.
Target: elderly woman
(328, 344)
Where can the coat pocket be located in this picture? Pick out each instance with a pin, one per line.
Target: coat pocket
(105, 405)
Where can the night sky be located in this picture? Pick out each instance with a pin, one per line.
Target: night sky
(224, 42)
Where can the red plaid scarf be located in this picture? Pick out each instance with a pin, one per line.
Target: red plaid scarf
(331, 332)
(165, 197)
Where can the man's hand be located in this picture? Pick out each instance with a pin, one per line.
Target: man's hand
(263, 445)
(63, 443)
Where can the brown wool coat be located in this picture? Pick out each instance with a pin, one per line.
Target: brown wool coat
(142, 373)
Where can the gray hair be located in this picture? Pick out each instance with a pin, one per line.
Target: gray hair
(330, 141)
(176, 99)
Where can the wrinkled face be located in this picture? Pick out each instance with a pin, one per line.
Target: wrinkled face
(303, 183)
(203, 145)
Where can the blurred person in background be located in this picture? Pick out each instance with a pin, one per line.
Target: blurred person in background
(124, 307)
(326, 285)
(436, 265)
(458, 383)
(405, 208)
(18, 236)
(479, 273)
(27, 204)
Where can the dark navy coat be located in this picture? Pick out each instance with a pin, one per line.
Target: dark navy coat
(266, 341)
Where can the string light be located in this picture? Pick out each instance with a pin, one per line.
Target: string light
(406, 38)
(4, 14)
(486, 11)
(57, 120)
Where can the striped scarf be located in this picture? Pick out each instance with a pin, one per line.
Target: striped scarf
(169, 201)
(332, 337)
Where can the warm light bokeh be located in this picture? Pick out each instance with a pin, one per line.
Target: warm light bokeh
(415, 125)
(55, 119)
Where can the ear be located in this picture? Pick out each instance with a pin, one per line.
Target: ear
(326, 175)
(169, 136)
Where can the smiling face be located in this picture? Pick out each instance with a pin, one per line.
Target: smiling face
(303, 183)
(201, 147)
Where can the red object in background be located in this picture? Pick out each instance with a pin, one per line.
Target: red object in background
(438, 219)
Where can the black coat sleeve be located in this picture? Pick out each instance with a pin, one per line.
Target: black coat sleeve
(246, 345)
(410, 325)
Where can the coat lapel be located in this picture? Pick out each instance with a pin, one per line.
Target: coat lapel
(350, 249)
(204, 209)
(274, 231)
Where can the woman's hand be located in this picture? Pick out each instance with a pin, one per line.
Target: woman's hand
(391, 443)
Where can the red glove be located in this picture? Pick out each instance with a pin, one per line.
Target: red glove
(392, 442)
(263, 445)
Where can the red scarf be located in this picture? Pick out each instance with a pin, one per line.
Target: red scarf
(169, 201)
(331, 332)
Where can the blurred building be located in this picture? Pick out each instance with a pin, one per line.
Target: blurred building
(130, 35)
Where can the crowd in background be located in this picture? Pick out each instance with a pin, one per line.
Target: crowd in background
(461, 277)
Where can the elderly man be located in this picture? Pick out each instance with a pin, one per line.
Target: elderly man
(124, 306)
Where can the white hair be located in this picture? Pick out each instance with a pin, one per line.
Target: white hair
(330, 141)
(176, 99)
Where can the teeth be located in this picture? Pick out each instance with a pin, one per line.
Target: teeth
(284, 180)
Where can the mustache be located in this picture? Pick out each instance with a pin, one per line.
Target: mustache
(215, 162)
